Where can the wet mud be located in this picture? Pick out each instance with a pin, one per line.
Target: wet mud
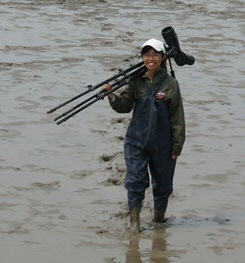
(62, 197)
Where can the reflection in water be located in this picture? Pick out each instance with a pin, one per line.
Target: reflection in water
(159, 249)
(156, 253)
(133, 253)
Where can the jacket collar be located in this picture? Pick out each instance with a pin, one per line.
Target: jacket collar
(159, 74)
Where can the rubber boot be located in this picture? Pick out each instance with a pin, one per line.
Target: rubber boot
(159, 215)
(134, 215)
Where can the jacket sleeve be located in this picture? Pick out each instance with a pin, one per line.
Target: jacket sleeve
(124, 101)
(177, 118)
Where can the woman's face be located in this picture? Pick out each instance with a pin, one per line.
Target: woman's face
(152, 59)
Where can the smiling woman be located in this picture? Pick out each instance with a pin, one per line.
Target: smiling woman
(155, 135)
(60, 194)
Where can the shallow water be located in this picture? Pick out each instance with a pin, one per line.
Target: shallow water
(61, 187)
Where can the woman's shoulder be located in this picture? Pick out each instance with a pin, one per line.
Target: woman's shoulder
(171, 82)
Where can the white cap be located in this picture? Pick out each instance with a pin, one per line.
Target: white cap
(156, 44)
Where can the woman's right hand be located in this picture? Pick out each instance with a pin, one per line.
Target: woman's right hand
(107, 87)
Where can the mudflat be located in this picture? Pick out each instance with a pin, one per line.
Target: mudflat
(62, 197)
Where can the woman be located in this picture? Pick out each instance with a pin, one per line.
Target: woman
(155, 135)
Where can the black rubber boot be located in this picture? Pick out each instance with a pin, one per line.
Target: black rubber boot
(159, 215)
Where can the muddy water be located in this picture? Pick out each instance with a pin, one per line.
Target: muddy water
(61, 190)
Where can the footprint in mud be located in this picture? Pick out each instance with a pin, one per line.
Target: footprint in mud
(221, 220)
(125, 37)
(121, 214)
(112, 181)
(100, 132)
(107, 27)
(116, 168)
(80, 174)
(44, 186)
(18, 230)
(106, 157)
(119, 120)
(47, 186)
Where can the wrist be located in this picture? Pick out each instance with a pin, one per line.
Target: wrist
(110, 96)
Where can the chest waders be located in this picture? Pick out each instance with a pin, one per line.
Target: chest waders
(147, 146)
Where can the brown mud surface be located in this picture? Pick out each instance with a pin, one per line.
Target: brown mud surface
(61, 186)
